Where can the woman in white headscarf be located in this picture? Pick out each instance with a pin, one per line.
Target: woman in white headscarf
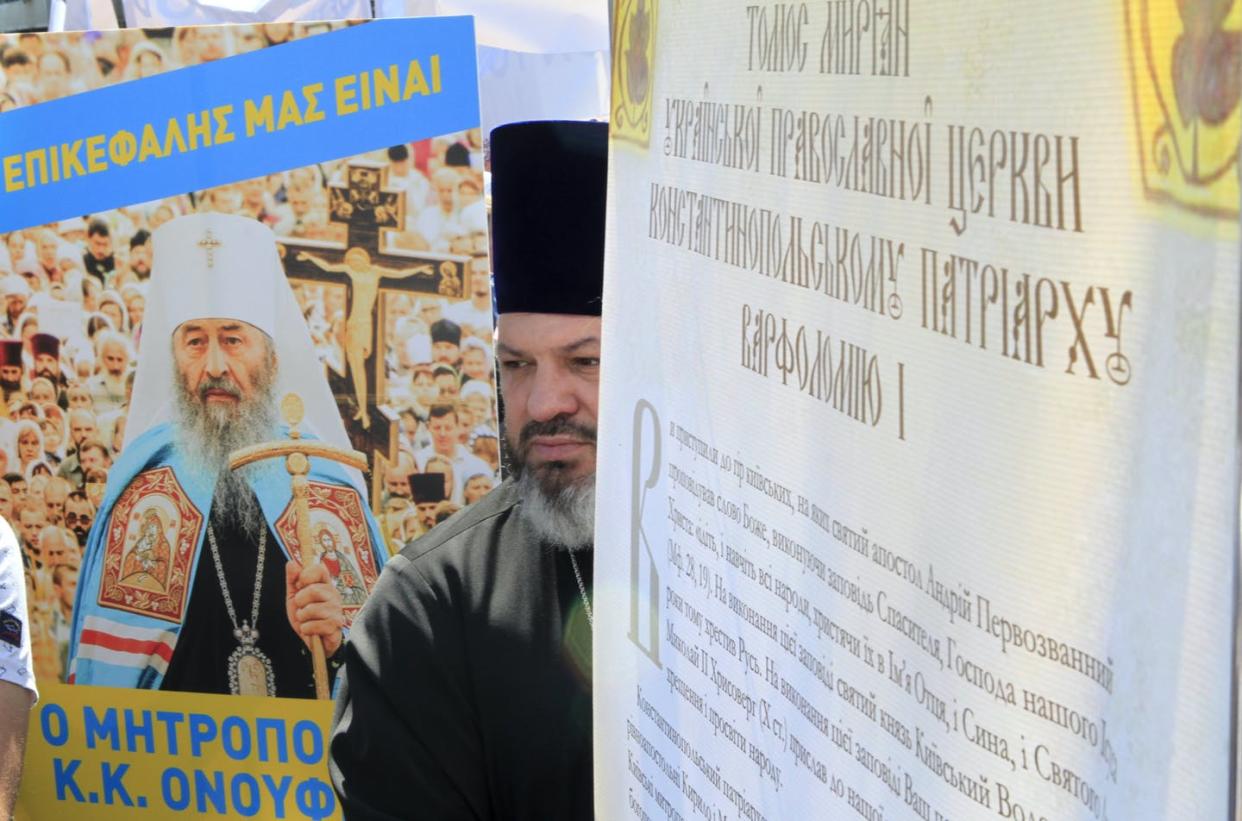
(29, 444)
(113, 307)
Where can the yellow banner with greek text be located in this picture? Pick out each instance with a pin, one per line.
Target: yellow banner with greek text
(103, 752)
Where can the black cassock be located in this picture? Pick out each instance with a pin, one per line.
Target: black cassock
(200, 663)
(466, 690)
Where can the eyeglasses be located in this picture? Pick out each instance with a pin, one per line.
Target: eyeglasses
(73, 518)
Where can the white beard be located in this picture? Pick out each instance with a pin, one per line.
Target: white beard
(206, 434)
(564, 519)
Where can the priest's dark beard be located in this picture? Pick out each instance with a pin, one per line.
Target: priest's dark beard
(560, 511)
(207, 433)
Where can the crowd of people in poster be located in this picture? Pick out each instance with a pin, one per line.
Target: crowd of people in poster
(74, 295)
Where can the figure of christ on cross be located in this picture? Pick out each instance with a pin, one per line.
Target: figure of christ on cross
(364, 277)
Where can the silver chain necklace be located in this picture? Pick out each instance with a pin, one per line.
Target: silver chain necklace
(250, 670)
(586, 602)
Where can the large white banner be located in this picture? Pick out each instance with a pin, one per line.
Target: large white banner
(917, 473)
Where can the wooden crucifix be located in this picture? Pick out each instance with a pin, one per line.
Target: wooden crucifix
(369, 212)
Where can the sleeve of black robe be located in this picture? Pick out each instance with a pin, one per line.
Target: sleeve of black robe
(405, 739)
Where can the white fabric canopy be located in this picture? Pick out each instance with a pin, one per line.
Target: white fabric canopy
(533, 26)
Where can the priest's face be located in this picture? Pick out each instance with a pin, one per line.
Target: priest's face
(221, 361)
(225, 373)
(427, 514)
(549, 376)
(15, 304)
(46, 365)
(78, 517)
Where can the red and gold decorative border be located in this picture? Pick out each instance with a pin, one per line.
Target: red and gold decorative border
(344, 505)
(142, 492)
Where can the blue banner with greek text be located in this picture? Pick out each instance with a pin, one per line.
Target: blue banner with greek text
(332, 95)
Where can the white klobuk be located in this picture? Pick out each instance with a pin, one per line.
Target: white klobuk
(220, 266)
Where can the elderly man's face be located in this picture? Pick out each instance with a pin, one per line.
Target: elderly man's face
(220, 360)
(114, 359)
(397, 482)
(82, 427)
(54, 501)
(53, 549)
(549, 377)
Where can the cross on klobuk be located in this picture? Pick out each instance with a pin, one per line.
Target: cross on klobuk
(369, 212)
(209, 244)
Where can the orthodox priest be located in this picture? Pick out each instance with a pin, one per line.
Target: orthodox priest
(467, 689)
(190, 581)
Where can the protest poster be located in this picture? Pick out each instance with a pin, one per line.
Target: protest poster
(920, 390)
(167, 196)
